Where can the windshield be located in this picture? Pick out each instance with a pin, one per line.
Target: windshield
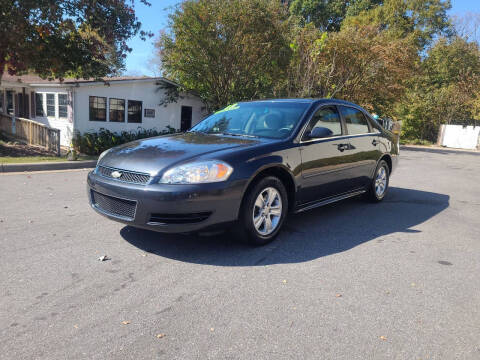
(256, 119)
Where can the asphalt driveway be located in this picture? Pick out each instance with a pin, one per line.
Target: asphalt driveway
(353, 280)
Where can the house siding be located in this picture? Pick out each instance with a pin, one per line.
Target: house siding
(147, 92)
(78, 116)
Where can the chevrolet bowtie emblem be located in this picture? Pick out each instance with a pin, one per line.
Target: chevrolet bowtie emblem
(116, 174)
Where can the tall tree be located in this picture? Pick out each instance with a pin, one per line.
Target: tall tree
(445, 91)
(360, 64)
(327, 15)
(423, 19)
(70, 38)
(227, 51)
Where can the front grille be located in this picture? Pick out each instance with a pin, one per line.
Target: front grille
(125, 176)
(179, 218)
(124, 209)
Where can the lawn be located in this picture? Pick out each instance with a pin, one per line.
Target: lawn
(12, 152)
(34, 159)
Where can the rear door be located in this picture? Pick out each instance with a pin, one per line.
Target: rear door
(364, 147)
(325, 161)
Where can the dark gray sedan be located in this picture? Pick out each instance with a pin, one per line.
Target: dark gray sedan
(249, 164)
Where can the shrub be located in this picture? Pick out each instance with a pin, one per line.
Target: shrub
(94, 143)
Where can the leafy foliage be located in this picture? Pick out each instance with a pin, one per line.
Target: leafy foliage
(445, 91)
(94, 143)
(324, 65)
(420, 19)
(227, 50)
(328, 15)
(71, 38)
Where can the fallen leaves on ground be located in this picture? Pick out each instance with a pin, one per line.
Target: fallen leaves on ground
(103, 258)
(383, 338)
(338, 295)
(160, 336)
(125, 322)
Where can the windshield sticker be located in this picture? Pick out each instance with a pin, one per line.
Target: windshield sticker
(229, 108)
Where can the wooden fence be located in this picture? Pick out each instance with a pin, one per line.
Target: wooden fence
(34, 133)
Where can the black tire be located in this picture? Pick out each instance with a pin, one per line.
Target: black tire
(247, 230)
(372, 194)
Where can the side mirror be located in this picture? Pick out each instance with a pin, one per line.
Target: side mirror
(320, 132)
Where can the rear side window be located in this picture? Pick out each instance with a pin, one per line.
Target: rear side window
(355, 121)
(326, 117)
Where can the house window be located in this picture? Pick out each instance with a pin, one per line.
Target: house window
(98, 108)
(39, 111)
(1, 101)
(51, 105)
(117, 110)
(62, 105)
(134, 111)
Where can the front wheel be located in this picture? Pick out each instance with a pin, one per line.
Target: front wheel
(379, 185)
(263, 211)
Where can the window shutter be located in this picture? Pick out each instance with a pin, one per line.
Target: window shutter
(32, 105)
(17, 108)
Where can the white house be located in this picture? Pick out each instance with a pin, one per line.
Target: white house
(116, 104)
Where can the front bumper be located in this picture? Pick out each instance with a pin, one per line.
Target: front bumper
(217, 202)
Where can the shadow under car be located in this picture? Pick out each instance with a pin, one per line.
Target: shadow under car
(306, 236)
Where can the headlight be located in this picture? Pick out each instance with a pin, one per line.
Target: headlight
(198, 172)
(102, 155)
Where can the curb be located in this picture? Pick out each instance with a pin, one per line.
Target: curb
(42, 166)
(438, 148)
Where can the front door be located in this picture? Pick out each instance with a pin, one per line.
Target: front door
(23, 106)
(325, 161)
(186, 118)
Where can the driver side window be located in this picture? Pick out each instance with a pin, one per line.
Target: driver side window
(326, 117)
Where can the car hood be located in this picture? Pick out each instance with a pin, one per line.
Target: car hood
(152, 155)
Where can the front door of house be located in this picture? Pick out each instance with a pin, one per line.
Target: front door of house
(23, 105)
(186, 118)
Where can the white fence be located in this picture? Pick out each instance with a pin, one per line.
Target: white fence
(459, 136)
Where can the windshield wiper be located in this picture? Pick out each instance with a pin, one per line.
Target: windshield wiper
(245, 135)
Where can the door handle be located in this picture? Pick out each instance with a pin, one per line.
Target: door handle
(342, 147)
(374, 142)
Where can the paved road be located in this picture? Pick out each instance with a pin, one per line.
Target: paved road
(397, 280)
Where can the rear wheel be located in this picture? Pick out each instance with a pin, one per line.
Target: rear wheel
(380, 181)
(263, 211)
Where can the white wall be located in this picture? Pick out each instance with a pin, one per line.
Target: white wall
(460, 137)
(147, 92)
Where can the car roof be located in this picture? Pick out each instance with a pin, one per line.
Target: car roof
(307, 101)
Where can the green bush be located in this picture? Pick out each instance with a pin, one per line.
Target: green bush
(94, 143)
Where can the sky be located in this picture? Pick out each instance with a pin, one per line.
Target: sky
(155, 18)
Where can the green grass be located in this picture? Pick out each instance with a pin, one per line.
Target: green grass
(415, 142)
(35, 159)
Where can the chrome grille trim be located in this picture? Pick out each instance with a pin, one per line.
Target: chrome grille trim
(126, 175)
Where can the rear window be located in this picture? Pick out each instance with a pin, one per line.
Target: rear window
(355, 121)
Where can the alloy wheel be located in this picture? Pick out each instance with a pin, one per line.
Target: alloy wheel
(381, 182)
(267, 211)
